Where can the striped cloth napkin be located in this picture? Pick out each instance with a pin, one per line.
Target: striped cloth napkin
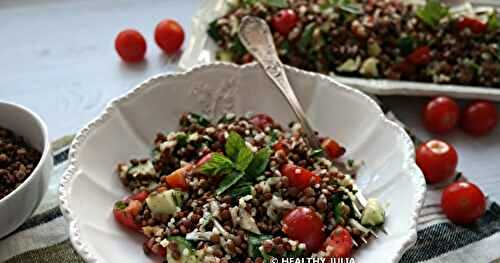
(44, 237)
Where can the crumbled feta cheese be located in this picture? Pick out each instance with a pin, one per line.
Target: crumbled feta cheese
(164, 243)
(210, 130)
(193, 137)
(167, 145)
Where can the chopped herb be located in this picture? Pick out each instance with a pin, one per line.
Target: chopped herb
(228, 181)
(182, 139)
(120, 205)
(237, 48)
(213, 32)
(406, 45)
(276, 3)
(259, 162)
(250, 2)
(316, 153)
(181, 242)
(350, 162)
(284, 47)
(254, 242)
(227, 118)
(493, 23)
(351, 8)
(432, 13)
(199, 119)
(218, 164)
(306, 37)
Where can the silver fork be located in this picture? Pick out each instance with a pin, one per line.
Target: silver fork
(256, 36)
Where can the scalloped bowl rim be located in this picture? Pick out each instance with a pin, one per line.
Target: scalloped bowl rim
(417, 177)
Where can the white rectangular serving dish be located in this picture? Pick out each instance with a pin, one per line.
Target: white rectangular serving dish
(201, 50)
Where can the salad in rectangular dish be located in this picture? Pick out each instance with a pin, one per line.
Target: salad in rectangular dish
(387, 39)
(244, 189)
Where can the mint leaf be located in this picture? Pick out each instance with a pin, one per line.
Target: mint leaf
(245, 157)
(432, 12)
(242, 188)
(276, 3)
(351, 8)
(218, 164)
(233, 145)
(259, 162)
(228, 181)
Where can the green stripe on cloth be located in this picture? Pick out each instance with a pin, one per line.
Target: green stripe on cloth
(62, 252)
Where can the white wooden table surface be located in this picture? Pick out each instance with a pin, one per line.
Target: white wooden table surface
(57, 58)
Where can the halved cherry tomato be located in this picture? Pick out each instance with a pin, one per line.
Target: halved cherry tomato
(463, 203)
(125, 212)
(475, 25)
(420, 56)
(284, 21)
(339, 243)
(130, 45)
(140, 196)
(177, 179)
(298, 176)
(169, 36)
(441, 115)
(262, 121)
(437, 160)
(304, 225)
(479, 118)
(332, 148)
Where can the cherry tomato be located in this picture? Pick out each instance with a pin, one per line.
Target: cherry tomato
(169, 36)
(441, 115)
(332, 148)
(437, 160)
(284, 21)
(463, 203)
(125, 212)
(299, 177)
(420, 56)
(479, 118)
(140, 196)
(304, 225)
(130, 45)
(177, 179)
(262, 121)
(339, 243)
(475, 25)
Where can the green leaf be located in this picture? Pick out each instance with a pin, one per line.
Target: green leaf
(181, 139)
(406, 45)
(199, 119)
(245, 157)
(254, 242)
(120, 205)
(228, 181)
(237, 48)
(432, 12)
(315, 153)
(241, 189)
(218, 164)
(351, 8)
(276, 3)
(213, 32)
(250, 2)
(259, 162)
(493, 23)
(233, 145)
(306, 37)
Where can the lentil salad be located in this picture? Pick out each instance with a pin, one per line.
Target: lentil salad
(386, 39)
(243, 189)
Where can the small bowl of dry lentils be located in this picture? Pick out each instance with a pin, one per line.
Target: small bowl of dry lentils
(25, 165)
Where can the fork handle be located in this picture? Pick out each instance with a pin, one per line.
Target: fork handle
(255, 35)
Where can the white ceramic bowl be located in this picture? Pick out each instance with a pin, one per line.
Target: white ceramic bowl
(127, 127)
(17, 206)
